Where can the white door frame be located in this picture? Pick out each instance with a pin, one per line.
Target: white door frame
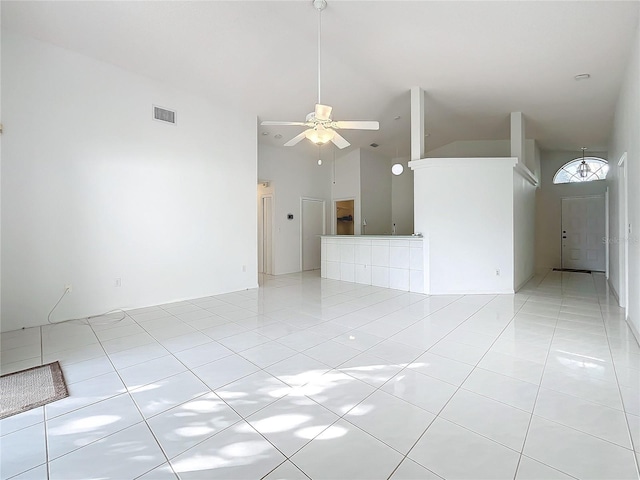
(561, 220)
(623, 239)
(262, 234)
(356, 215)
(607, 234)
(324, 221)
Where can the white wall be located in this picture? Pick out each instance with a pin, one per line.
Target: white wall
(0, 168)
(549, 206)
(346, 185)
(375, 192)
(93, 189)
(464, 207)
(532, 156)
(489, 148)
(524, 221)
(293, 173)
(625, 138)
(402, 198)
(472, 149)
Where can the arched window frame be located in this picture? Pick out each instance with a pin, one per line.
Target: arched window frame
(568, 173)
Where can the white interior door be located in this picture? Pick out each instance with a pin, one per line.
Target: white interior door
(583, 231)
(267, 236)
(312, 226)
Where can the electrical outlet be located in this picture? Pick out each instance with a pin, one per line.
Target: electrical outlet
(118, 282)
(68, 288)
(497, 272)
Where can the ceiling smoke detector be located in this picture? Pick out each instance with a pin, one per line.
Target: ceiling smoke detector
(582, 76)
(374, 145)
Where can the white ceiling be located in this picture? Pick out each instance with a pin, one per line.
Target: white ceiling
(477, 60)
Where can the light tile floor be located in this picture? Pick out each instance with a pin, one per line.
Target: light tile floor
(313, 378)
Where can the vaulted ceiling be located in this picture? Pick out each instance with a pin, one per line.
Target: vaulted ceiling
(476, 60)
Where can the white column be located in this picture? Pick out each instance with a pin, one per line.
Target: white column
(417, 123)
(518, 137)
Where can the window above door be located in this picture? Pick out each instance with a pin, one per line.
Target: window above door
(575, 171)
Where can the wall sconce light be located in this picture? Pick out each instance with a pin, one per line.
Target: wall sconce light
(397, 169)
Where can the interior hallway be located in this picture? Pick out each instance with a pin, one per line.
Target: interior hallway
(316, 378)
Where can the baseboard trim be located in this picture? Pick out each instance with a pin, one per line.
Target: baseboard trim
(522, 284)
(634, 331)
(504, 292)
(632, 327)
(613, 290)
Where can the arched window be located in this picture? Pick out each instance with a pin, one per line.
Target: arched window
(594, 168)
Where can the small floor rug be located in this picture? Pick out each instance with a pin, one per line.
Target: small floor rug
(31, 388)
(572, 270)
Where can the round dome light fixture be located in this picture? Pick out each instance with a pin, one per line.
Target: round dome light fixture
(319, 161)
(397, 169)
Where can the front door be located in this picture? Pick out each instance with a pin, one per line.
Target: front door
(583, 231)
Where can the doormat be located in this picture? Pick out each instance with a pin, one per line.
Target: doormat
(571, 270)
(31, 388)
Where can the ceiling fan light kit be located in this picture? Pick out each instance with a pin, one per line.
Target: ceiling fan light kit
(584, 169)
(319, 135)
(321, 128)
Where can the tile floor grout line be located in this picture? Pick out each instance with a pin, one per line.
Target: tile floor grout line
(135, 405)
(48, 460)
(360, 352)
(245, 419)
(460, 386)
(545, 464)
(570, 427)
(242, 418)
(533, 407)
(625, 413)
(44, 414)
(311, 399)
(337, 369)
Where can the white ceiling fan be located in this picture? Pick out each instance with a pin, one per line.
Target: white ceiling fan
(321, 128)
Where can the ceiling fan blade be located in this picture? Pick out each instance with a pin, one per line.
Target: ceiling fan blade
(357, 125)
(270, 122)
(295, 140)
(323, 112)
(339, 141)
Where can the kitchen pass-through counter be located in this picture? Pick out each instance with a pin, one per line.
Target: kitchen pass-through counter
(390, 261)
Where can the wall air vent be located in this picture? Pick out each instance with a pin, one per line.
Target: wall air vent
(164, 115)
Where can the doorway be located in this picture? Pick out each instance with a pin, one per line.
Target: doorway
(265, 228)
(345, 217)
(583, 229)
(312, 226)
(623, 240)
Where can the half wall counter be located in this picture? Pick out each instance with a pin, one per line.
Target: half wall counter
(389, 261)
